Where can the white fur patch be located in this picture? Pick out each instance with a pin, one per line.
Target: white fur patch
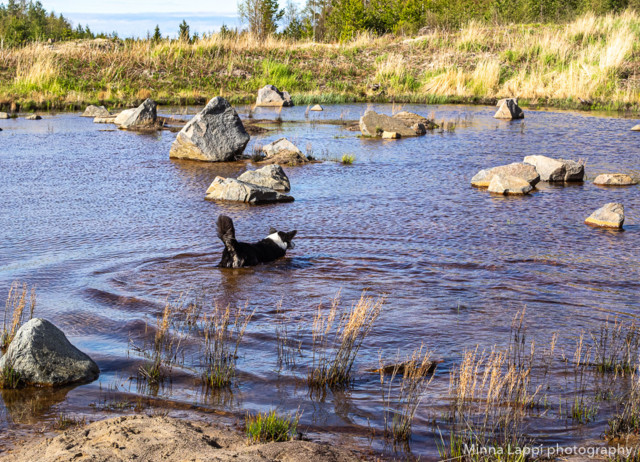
(275, 237)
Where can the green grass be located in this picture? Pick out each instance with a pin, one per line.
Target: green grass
(271, 427)
(10, 379)
(348, 159)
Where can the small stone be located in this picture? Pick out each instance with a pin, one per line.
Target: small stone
(283, 152)
(96, 111)
(4, 115)
(230, 189)
(509, 185)
(509, 109)
(317, 107)
(271, 176)
(527, 172)
(270, 96)
(614, 179)
(636, 128)
(390, 135)
(610, 215)
(33, 117)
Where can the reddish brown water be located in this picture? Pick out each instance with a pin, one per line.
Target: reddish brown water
(107, 227)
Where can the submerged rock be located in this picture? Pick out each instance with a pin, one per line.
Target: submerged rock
(33, 117)
(509, 109)
(317, 107)
(41, 354)
(215, 134)
(144, 116)
(610, 215)
(230, 189)
(283, 152)
(270, 96)
(271, 176)
(527, 172)
(614, 179)
(509, 185)
(556, 170)
(374, 124)
(96, 111)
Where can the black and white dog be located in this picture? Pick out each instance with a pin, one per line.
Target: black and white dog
(238, 254)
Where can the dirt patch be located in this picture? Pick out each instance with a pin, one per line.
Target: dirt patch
(143, 438)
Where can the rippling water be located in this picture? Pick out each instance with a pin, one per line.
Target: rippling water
(107, 227)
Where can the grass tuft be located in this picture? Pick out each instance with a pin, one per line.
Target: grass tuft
(17, 301)
(270, 427)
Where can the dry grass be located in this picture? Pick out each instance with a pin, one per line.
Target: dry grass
(18, 300)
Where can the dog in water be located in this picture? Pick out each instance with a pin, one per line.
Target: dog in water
(238, 254)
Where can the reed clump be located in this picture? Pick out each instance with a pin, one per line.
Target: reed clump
(337, 338)
(20, 302)
(270, 427)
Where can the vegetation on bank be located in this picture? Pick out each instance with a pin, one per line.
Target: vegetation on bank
(591, 62)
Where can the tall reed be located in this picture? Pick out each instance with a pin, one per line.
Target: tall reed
(14, 312)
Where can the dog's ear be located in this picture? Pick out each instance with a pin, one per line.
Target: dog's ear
(272, 230)
(292, 234)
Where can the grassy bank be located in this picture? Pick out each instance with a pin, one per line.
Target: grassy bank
(591, 63)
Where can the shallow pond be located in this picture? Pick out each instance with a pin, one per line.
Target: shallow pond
(108, 228)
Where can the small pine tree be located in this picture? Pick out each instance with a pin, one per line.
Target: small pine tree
(183, 33)
(156, 34)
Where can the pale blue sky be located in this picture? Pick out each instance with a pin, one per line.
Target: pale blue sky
(141, 6)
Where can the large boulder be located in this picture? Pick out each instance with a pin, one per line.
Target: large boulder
(215, 134)
(527, 172)
(230, 189)
(556, 170)
(271, 176)
(508, 109)
(96, 111)
(509, 185)
(41, 355)
(283, 152)
(374, 124)
(4, 115)
(610, 215)
(144, 116)
(270, 96)
(636, 128)
(614, 179)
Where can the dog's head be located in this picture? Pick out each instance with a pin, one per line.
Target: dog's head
(283, 239)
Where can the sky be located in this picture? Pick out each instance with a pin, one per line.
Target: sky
(136, 18)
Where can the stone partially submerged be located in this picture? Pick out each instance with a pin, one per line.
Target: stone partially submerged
(4, 115)
(526, 172)
(508, 109)
(614, 179)
(283, 152)
(270, 96)
(33, 117)
(556, 170)
(509, 185)
(96, 111)
(636, 128)
(610, 215)
(271, 176)
(142, 117)
(230, 189)
(374, 125)
(41, 355)
(317, 107)
(215, 134)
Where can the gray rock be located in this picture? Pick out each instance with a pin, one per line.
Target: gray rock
(105, 120)
(284, 152)
(415, 120)
(41, 354)
(610, 215)
(374, 124)
(556, 170)
(509, 109)
(614, 179)
(215, 134)
(4, 115)
(317, 107)
(123, 116)
(527, 172)
(270, 96)
(509, 185)
(636, 128)
(33, 117)
(143, 116)
(271, 176)
(230, 189)
(96, 111)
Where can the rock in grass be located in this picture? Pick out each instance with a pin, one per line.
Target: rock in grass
(636, 128)
(527, 172)
(41, 354)
(509, 185)
(283, 152)
(144, 116)
(4, 115)
(270, 96)
(230, 189)
(610, 215)
(215, 134)
(271, 176)
(509, 110)
(317, 107)
(614, 179)
(96, 111)
(33, 117)
(374, 124)
(556, 170)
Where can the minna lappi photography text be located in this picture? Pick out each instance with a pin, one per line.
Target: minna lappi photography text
(551, 452)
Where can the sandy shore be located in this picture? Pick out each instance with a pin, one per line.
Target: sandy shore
(143, 438)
